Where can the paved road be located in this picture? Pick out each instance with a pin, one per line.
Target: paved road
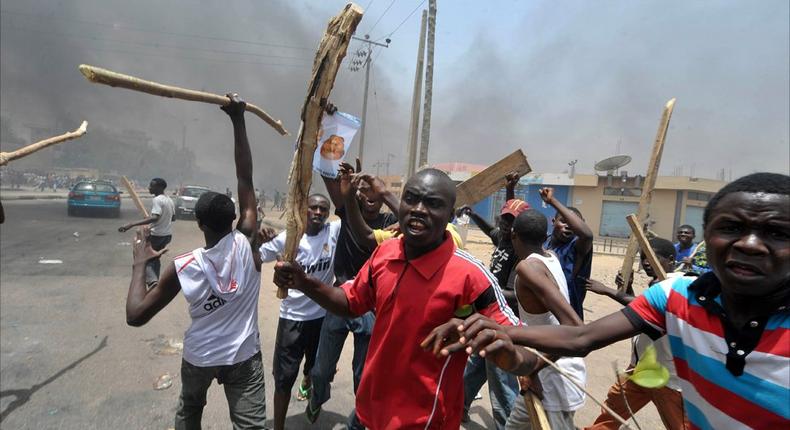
(67, 358)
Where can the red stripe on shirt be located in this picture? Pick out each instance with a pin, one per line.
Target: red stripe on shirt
(191, 259)
(647, 312)
(728, 402)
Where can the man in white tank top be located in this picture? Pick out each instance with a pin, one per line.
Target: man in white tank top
(543, 300)
(221, 283)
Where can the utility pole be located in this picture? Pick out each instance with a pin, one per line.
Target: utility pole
(387, 164)
(366, 63)
(426, 116)
(414, 126)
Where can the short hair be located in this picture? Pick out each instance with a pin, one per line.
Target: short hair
(690, 227)
(575, 210)
(443, 178)
(764, 182)
(530, 226)
(216, 211)
(320, 196)
(159, 182)
(663, 248)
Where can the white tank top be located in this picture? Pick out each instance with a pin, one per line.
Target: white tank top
(222, 286)
(559, 394)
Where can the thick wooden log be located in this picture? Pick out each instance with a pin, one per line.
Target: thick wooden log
(537, 415)
(114, 79)
(636, 231)
(328, 58)
(135, 198)
(491, 179)
(647, 189)
(5, 157)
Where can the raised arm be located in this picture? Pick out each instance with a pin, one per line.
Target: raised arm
(242, 156)
(377, 191)
(575, 223)
(142, 304)
(359, 228)
(511, 180)
(481, 223)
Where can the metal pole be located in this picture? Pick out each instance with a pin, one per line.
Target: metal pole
(426, 116)
(414, 126)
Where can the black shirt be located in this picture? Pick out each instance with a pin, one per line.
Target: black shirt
(503, 260)
(349, 255)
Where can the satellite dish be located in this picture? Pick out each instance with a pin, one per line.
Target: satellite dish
(612, 163)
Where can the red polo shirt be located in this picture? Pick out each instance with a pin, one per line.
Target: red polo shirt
(404, 386)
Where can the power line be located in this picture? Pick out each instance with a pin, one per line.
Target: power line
(156, 44)
(382, 16)
(182, 57)
(149, 30)
(404, 20)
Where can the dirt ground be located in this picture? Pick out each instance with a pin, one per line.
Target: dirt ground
(600, 372)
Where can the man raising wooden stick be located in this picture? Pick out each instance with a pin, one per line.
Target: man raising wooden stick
(221, 284)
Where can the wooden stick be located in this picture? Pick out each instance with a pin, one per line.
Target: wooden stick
(5, 157)
(327, 61)
(647, 189)
(644, 244)
(491, 179)
(537, 415)
(579, 386)
(114, 79)
(135, 197)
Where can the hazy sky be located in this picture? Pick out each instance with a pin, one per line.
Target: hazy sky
(561, 80)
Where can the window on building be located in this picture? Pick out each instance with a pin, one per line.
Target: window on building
(698, 196)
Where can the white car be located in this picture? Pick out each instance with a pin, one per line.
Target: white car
(186, 198)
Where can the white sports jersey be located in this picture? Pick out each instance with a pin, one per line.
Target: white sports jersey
(558, 393)
(221, 285)
(316, 255)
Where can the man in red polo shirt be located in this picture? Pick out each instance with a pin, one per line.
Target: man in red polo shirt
(414, 283)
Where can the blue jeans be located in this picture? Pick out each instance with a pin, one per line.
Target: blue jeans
(502, 387)
(333, 336)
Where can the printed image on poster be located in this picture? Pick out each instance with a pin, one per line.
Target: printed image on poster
(334, 140)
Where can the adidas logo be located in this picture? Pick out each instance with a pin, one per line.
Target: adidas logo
(213, 302)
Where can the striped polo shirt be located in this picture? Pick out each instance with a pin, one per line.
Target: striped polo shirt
(731, 378)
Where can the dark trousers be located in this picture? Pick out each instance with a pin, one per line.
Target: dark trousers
(244, 390)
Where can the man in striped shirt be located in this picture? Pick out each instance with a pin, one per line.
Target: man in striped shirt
(729, 330)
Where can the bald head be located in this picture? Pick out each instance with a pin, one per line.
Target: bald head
(437, 180)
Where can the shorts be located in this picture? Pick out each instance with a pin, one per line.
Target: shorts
(295, 339)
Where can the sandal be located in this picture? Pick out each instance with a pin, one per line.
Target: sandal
(304, 392)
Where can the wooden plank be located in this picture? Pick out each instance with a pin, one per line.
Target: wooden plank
(135, 197)
(327, 62)
(114, 79)
(5, 157)
(647, 189)
(491, 179)
(644, 244)
(537, 415)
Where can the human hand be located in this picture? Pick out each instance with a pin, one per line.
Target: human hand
(329, 107)
(123, 228)
(266, 234)
(289, 274)
(489, 340)
(618, 280)
(374, 187)
(142, 252)
(531, 384)
(511, 180)
(547, 194)
(443, 335)
(596, 287)
(236, 107)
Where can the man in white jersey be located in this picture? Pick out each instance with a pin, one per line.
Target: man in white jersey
(161, 222)
(299, 327)
(543, 300)
(220, 282)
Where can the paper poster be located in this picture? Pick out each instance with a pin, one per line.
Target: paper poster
(334, 140)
